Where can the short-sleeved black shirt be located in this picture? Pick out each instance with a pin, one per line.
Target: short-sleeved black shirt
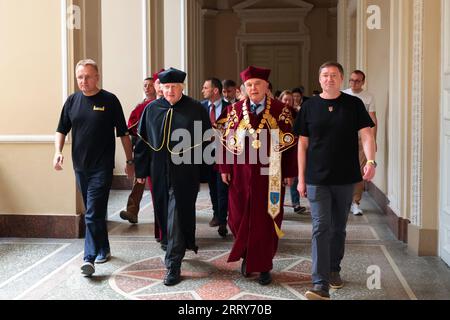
(332, 128)
(92, 121)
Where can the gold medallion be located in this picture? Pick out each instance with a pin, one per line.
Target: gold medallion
(256, 144)
(288, 138)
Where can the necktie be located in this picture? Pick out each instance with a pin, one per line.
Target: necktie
(212, 114)
(254, 107)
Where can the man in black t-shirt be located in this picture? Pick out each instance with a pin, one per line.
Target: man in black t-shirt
(328, 127)
(93, 115)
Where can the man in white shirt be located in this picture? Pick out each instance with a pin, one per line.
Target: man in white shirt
(357, 81)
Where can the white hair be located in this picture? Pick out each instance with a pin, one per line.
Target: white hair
(181, 85)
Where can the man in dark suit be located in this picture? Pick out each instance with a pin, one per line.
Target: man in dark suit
(216, 107)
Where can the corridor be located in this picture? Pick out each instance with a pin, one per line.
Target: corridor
(48, 269)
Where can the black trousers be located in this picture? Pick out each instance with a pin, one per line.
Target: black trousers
(218, 192)
(176, 244)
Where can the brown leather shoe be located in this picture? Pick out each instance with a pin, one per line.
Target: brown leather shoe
(125, 215)
(336, 281)
(317, 293)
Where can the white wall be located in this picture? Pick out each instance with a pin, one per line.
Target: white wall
(123, 50)
(31, 63)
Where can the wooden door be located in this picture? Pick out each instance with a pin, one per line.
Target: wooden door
(283, 60)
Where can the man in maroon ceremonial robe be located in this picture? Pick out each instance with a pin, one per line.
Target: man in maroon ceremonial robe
(134, 199)
(257, 186)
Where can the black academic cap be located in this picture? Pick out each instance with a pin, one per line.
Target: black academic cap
(172, 75)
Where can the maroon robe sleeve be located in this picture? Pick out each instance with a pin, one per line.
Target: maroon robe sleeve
(135, 116)
(222, 165)
(289, 167)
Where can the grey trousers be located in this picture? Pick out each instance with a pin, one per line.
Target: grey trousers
(330, 206)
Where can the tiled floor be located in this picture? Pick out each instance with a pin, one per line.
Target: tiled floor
(376, 266)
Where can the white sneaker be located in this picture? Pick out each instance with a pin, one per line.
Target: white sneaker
(102, 258)
(356, 210)
(87, 269)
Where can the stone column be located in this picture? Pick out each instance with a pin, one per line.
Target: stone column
(423, 230)
(399, 84)
(175, 34)
(155, 27)
(194, 48)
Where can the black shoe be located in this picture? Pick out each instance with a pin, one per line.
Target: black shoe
(336, 281)
(299, 209)
(214, 222)
(317, 293)
(125, 215)
(173, 277)
(264, 278)
(164, 246)
(244, 268)
(223, 231)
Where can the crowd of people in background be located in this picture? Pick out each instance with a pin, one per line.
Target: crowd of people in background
(326, 148)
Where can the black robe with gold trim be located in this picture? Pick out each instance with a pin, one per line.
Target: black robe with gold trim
(154, 157)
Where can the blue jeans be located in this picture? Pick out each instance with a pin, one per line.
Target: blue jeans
(295, 196)
(330, 206)
(95, 187)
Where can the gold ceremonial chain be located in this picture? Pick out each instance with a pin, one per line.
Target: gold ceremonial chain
(286, 140)
(169, 117)
(234, 143)
(169, 112)
(256, 144)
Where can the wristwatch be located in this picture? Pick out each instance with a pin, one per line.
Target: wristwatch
(372, 163)
(130, 162)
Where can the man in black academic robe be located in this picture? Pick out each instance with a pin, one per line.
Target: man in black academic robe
(171, 166)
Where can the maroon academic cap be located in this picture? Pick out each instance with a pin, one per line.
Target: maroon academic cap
(255, 72)
(155, 75)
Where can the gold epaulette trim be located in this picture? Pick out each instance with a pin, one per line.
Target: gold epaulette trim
(286, 116)
(286, 139)
(167, 127)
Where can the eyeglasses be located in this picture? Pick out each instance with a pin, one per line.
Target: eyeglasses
(355, 81)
